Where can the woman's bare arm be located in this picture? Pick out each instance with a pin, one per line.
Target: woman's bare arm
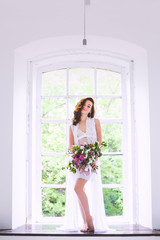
(71, 138)
(99, 137)
(98, 130)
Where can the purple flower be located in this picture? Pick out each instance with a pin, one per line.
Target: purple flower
(81, 157)
(92, 153)
(75, 160)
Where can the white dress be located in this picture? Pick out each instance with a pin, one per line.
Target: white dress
(93, 188)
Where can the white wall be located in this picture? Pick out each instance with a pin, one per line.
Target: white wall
(6, 123)
(22, 22)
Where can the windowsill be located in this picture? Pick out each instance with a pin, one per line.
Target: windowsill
(59, 220)
(51, 230)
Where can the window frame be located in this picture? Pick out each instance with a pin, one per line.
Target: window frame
(125, 73)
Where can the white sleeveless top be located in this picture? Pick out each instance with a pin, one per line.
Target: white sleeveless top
(80, 138)
(90, 134)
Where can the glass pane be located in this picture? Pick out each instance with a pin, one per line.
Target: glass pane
(109, 108)
(53, 202)
(81, 81)
(54, 108)
(108, 82)
(52, 172)
(111, 169)
(112, 134)
(53, 137)
(113, 201)
(54, 82)
(72, 104)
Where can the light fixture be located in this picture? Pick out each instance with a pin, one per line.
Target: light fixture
(86, 2)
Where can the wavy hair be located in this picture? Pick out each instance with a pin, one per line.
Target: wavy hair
(78, 108)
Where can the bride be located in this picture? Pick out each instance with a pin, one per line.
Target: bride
(84, 198)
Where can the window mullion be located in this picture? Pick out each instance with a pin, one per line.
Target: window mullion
(67, 106)
(112, 186)
(39, 147)
(124, 144)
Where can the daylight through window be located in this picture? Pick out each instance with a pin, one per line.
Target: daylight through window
(60, 90)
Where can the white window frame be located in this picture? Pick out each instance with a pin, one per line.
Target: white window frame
(125, 68)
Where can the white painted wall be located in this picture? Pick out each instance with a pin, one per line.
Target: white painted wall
(22, 22)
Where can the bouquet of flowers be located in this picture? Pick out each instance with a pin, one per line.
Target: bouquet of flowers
(82, 157)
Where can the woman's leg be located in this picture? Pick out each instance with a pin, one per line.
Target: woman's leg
(79, 189)
(85, 227)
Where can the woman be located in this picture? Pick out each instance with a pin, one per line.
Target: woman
(85, 186)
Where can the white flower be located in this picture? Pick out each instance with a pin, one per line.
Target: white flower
(86, 155)
(81, 147)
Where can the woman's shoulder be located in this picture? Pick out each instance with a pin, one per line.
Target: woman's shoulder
(72, 126)
(96, 120)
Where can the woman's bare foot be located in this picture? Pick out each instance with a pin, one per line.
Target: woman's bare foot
(90, 225)
(85, 228)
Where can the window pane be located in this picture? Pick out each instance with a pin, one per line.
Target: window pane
(54, 83)
(52, 172)
(53, 202)
(109, 108)
(53, 108)
(72, 104)
(53, 137)
(108, 82)
(111, 169)
(113, 201)
(81, 81)
(112, 134)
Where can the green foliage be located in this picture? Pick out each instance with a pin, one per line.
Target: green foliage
(111, 169)
(52, 108)
(109, 108)
(112, 134)
(81, 82)
(108, 82)
(113, 201)
(54, 83)
(52, 169)
(53, 202)
(53, 137)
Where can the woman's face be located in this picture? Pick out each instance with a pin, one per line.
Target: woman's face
(87, 107)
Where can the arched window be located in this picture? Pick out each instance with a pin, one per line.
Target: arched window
(56, 90)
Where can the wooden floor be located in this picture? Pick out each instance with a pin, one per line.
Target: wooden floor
(51, 230)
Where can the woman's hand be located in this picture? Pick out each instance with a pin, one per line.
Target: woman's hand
(82, 168)
(94, 164)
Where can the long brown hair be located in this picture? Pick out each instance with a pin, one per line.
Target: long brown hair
(78, 108)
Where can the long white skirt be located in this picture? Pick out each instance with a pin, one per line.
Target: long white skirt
(73, 220)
